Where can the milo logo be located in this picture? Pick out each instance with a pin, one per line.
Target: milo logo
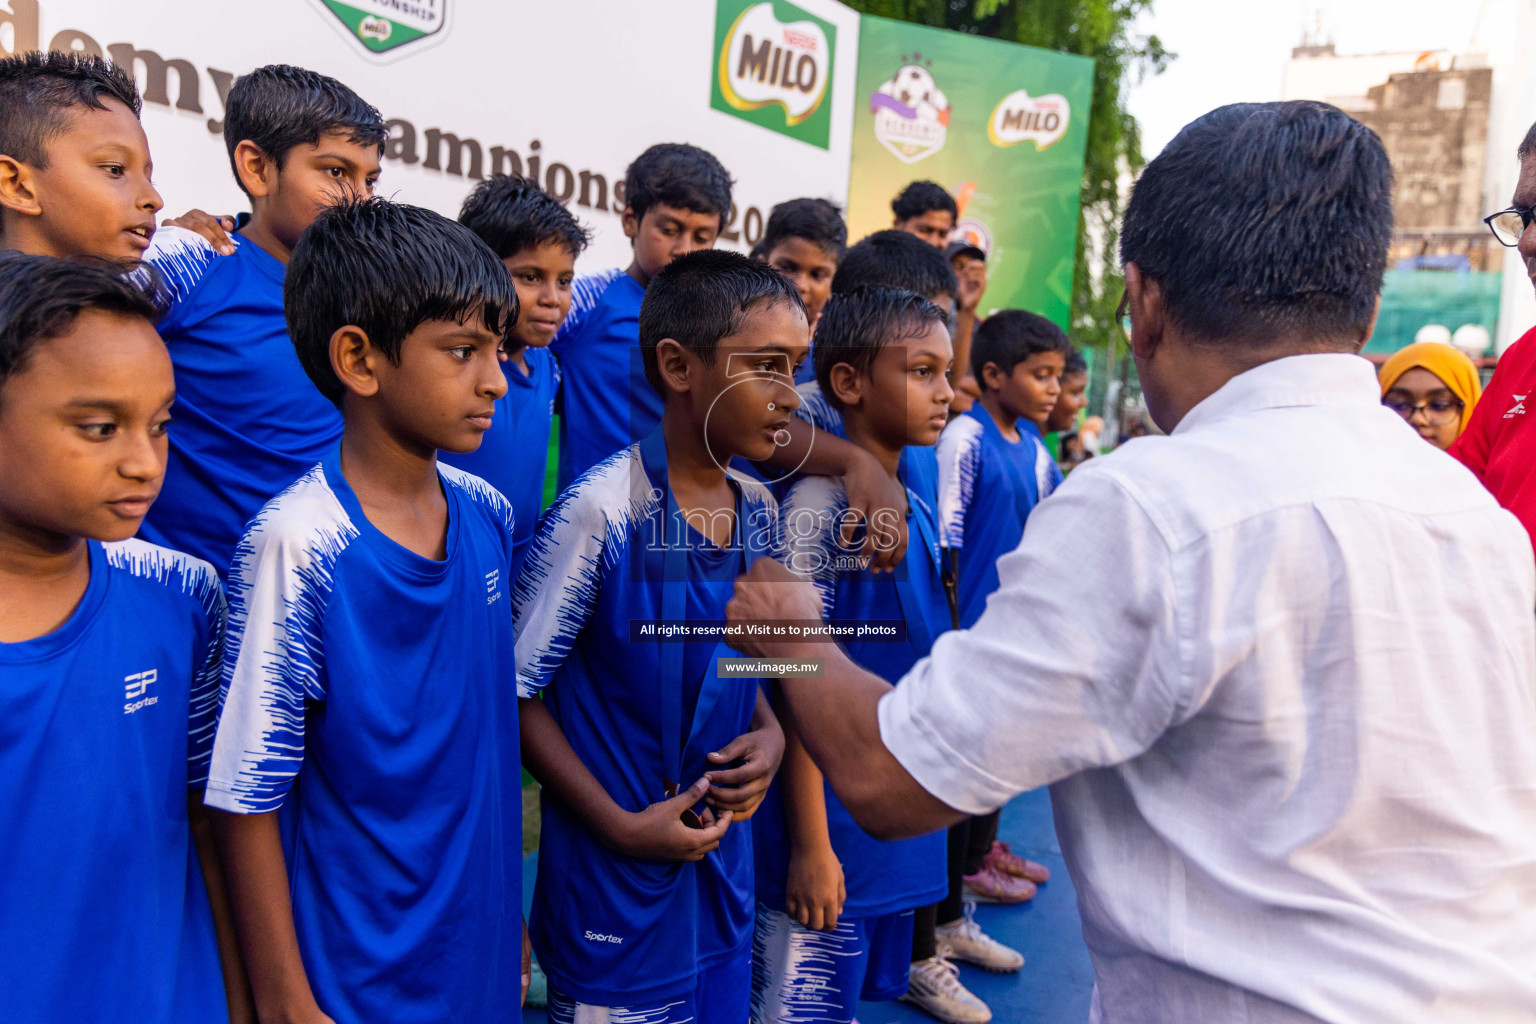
(773, 67)
(1020, 117)
(382, 26)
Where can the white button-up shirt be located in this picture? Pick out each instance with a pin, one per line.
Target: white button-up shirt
(1280, 669)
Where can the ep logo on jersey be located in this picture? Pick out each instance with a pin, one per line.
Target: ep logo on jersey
(135, 691)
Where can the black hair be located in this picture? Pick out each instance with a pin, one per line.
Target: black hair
(1075, 363)
(511, 214)
(1527, 144)
(896, 259)
(1007, 338)
(856, 325)
(818, 221)
(677, 175)
(40, 297)
(920, 197)
(387, 268)
(703, 297)
(38, 90)
(1265, 219)
(280, 106)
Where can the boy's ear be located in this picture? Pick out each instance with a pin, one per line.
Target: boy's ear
(18, 192)
(992, 376)
(257, 171)
(630, 222)
(675, 366)
(847, 388)
(354, 360)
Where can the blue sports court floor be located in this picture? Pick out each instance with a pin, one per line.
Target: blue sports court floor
(1054, 986)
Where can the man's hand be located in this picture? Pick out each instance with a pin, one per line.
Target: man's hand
(741, 789)
(879, 502)
(658, 832)
(973, 282)
(215, 229)
(769, 590)
(814, 893)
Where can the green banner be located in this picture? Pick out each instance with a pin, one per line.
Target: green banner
(1001, 126)
(772, 66)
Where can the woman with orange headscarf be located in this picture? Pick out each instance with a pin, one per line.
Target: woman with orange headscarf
(1434, 387)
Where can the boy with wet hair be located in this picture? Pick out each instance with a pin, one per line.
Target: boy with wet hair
(644, 892)
(370, 651)
(804, 240)
(248, 421)
(110, 651)
(927, 210)
(538, 240)
(74, 160)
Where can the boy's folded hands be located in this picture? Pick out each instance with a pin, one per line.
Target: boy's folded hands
(754, 757)
(659, 832)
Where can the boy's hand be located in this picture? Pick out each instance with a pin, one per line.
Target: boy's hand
(658, 832)
(527, 963)
(973, 282)
(215, 229)
(878, 501)
(741, 789)
(814, 893)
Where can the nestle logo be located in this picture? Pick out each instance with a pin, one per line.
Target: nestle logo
(600, 937)
(799, 40)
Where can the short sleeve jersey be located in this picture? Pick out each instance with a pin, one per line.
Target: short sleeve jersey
(247, 420)
(105, 724)
(380, 682)
(608, 929)
(879, 877)
(513, 453)
(987, 487)
(606, 404)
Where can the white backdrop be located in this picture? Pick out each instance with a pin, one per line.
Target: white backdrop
(586, 84)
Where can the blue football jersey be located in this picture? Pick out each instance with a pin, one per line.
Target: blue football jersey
(370, 696)
(105, 724)
(247, 421)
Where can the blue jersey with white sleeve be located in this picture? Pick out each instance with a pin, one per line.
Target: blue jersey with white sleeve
(606, 404)
(247, 420)
(513, 453)
(987, 487)
(386, 677)
(105, 724)
(610, 930)
(879, 877)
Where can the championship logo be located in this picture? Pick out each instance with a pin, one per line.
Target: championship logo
(381, 26)
(1020, 117)
(911, 111)
(773, 67)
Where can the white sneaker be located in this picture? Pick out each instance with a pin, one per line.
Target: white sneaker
(969, 944)
(934, 987)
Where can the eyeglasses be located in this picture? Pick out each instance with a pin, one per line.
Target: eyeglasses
(1508, 225)
(1438, 412)
(1123, 313)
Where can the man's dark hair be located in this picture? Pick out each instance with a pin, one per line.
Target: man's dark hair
(818, 221)
(856, 325)
(1527, 144)
(387, 268)
(677, 175)
(1261, 220)
(1075, 363)
(703, 297)
(511, 214)
(896, 259)
(1007, 338)
(280, 106)
(920, 197)
(40, 298)
(38, 91)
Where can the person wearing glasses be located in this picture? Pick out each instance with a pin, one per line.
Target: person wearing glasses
(1434, 387)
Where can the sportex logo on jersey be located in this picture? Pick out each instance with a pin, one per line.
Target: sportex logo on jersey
(136, 693)
(380, 27)
(493, 586)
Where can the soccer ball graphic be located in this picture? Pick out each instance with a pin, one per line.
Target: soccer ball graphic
(913, 85)
(911, 112)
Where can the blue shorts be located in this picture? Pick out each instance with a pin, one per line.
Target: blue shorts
(720, 997)
(799, 974)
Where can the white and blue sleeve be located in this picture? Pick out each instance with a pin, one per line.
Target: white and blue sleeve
(182, 258)
(959, 457)
(811, 518)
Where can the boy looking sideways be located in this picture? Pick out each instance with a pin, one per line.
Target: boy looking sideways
(248, 421)
(1072, 400)
(926, 210)
(538, 241)
(804, 240)
(370, 648)
(109, 651)
(74, 160)
(634, 908)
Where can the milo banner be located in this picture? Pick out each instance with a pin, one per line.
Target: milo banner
(1001, 126)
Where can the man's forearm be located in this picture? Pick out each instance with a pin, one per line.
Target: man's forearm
(812, 450)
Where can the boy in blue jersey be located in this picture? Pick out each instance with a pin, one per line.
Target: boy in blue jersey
(109, 651)
(637, 910)
(804, 240)
(538, 240)
(835, 906)
(74, 160)
(248, 421)
(370, 651)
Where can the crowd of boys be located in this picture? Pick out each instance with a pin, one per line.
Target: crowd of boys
(301, 801)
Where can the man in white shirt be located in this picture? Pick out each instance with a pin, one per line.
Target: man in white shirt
(1279, 666)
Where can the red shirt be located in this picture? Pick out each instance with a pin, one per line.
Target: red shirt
(1499, 444)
